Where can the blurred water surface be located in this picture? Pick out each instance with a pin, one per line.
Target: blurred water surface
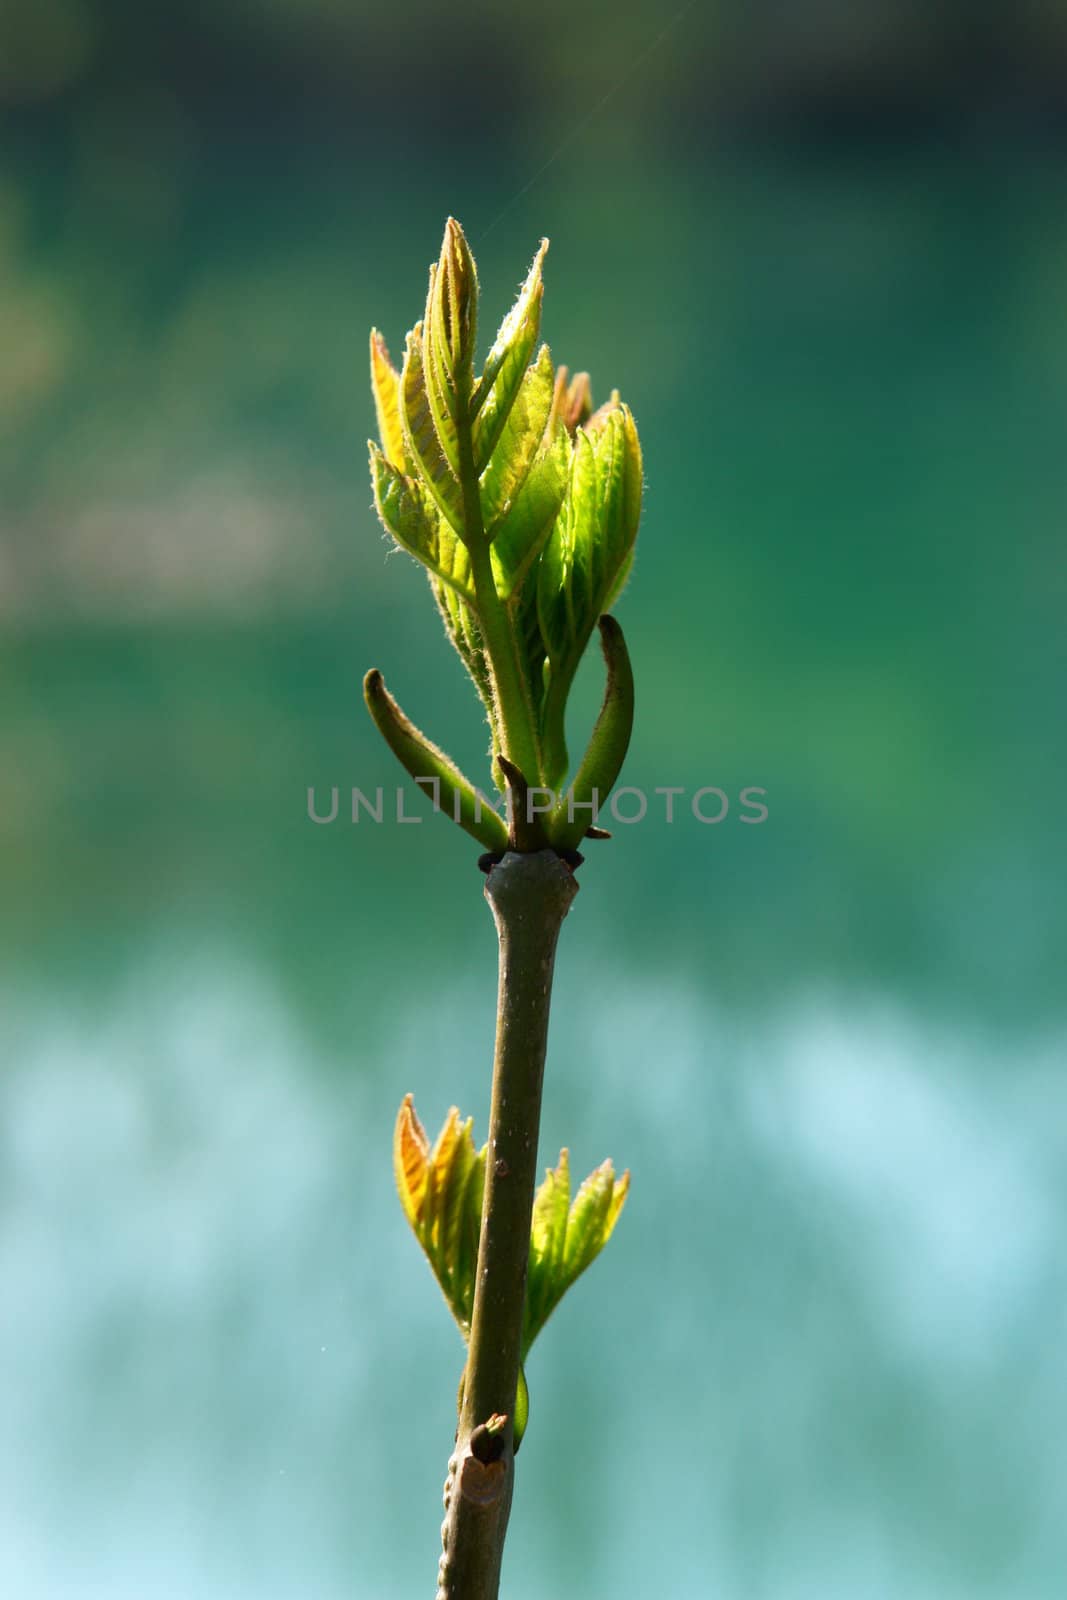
(823, 1353)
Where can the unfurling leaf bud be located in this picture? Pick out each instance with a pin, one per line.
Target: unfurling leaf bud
(441, 1193)
(566, 1236)
(442, 1190)
(452, 305)
(573, 400)
(522, 502)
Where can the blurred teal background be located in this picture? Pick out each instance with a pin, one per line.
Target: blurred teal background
(823, 253)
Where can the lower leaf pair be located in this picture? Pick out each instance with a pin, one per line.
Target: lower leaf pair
(441, 1190)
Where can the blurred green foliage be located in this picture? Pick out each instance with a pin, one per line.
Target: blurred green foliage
(866, 357)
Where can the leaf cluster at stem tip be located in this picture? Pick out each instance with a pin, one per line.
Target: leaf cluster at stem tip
(442, 1193)
(522, 503)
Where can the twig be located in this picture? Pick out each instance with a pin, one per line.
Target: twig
(530, 895)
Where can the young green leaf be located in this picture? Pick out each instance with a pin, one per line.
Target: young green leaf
(520, 441)
(548, 1235)
(586, 561)
(413, 519)
(524, 528)
(592, 1219)
(506, 363)
(450, 1164)
(421, 438)
(452, 306)
(447, 404)
(566, 1240)
(385, 384)
(441, 1193)
(411, 1150)
(594, 537)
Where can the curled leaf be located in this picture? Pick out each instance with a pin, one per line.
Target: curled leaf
(452, 792)
(607, 748)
